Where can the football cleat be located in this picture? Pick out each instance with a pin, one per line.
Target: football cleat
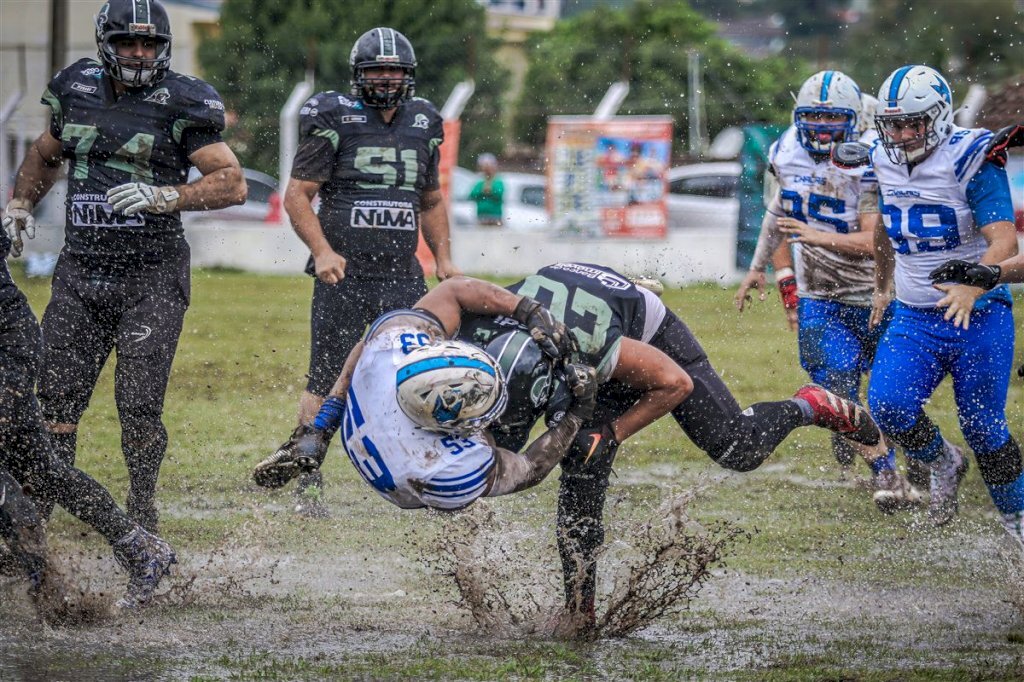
(304, 451)
(147, 559)
(843, 416)
(947, 472)
(893, 492)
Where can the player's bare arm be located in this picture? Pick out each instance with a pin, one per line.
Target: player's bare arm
(222, 184)
(298, 203)
(38, 172)
(959, 300)
(664, 383)
(885, 264)
(513, 472)
(434, 226)
(857, 244)
(768, 241)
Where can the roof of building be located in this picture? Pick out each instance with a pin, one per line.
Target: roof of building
(1004, 105)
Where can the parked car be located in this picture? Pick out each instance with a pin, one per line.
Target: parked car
(704, 195)
(524, 209)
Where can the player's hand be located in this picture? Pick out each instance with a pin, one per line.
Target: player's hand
(879, 304)
(595, 444)
(801, 233)
(17, 219)
(1005, 138)
(792, 319)
(754, 280)
(329, 266)
(550, 333)
(135, 197)
(959, 302)
(582, 382)
(966, 272)
(445, 269)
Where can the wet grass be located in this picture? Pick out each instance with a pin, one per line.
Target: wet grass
(825, 588)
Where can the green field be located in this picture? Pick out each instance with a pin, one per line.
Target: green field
(825, 588)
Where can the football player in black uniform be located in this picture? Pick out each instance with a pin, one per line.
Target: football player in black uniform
(650, 364)
(372, 155)
(130, 129)
(27, 459)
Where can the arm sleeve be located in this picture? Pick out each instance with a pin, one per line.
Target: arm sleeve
(194, 139)
(432, 176)
(769, 238)
(53, 103)
(988, 195)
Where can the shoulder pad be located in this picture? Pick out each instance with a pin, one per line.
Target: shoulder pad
(324, 110)
(193, 99)
(85, 72)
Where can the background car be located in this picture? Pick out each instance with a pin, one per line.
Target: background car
(524, 203)
(704, 195)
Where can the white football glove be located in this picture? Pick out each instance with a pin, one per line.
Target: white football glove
(135, 197)
(17, 219)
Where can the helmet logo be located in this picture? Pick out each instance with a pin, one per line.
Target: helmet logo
(447, 407)
(539, 390)
(940, 87)
(144, 29)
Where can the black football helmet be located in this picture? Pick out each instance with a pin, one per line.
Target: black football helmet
(382, 47)
(120, 19)
(530, 378)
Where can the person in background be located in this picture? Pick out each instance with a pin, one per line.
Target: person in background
(489, 192)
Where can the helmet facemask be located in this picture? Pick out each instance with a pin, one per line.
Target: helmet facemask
(817, 136)
(383, 93)
(132, 71)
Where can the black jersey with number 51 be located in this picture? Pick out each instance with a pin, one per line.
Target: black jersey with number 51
(145, 135)
(372, 176)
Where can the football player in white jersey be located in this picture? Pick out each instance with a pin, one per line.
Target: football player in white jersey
(941, 198)
(413, 405)
(829, 217)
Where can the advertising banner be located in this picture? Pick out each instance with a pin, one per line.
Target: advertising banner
(607, 178)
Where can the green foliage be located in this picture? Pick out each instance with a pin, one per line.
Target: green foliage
(647, 44)
(978, 41)
(264, 47)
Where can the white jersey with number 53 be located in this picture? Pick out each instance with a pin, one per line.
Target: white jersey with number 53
(407, 465)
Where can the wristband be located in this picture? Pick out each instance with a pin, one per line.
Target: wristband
(328, 419)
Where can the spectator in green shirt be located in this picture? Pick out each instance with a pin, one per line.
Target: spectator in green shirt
(488, 192)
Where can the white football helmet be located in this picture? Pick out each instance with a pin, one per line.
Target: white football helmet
(915, 113)
(451, 387)
(826, 93)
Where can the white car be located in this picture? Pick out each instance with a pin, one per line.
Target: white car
(704, 195)
(524, 201)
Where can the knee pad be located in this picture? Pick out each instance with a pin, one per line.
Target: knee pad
(918, 437)
(1003, 466)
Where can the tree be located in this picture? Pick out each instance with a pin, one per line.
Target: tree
(647, 44)
(978, 41)
(264, 47)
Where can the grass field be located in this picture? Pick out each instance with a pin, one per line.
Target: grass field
(825, 588)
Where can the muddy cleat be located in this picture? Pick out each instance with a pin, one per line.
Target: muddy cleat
(147, 559)
(1014, 525)
(893, 492)
(839, 414)
(302, 453)
(947, 472)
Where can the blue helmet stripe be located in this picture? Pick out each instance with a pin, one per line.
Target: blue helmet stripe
(897, 80)
(430, 364)
(825, 82)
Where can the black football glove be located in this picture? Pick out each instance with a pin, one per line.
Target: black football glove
(850, 155)
(582, 382)
(1005, 138)
(595, 444)
(550, 334)
(965, 272)
(303, 452)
